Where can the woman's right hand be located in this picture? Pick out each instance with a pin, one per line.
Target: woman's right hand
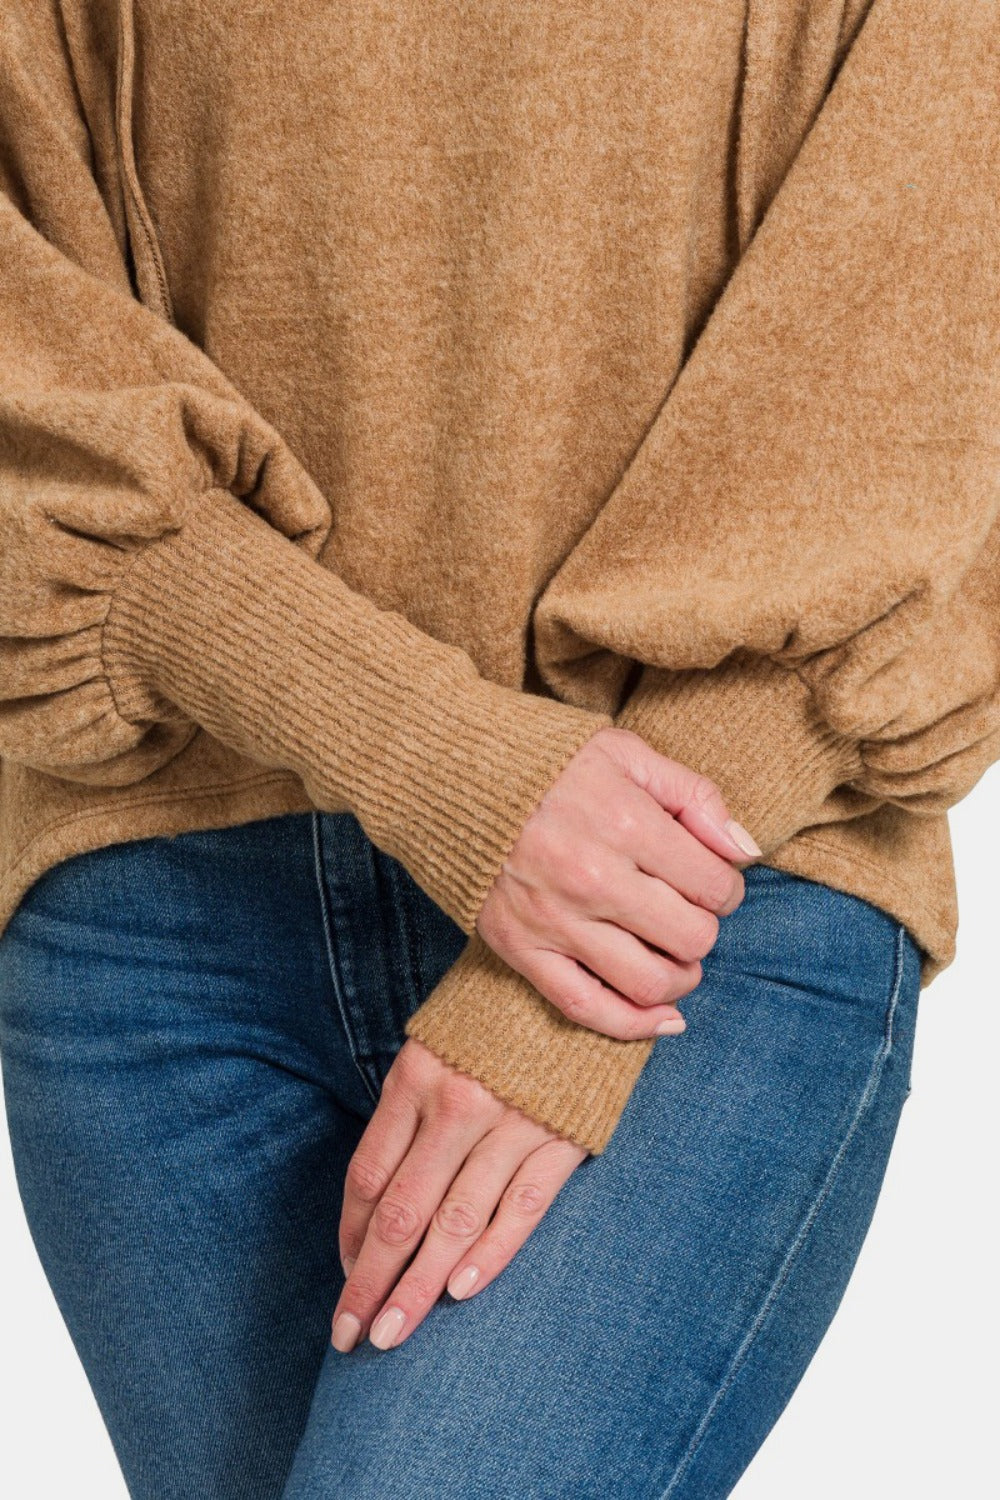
(613, 891)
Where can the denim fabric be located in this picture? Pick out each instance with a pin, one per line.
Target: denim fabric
(193, 1033)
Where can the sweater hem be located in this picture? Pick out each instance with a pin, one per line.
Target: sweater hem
(270, 794)
(225, 804)
(814, 857)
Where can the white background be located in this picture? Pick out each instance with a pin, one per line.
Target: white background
(900, 1399)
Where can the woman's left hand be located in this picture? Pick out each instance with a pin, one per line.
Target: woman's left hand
(438, 1156)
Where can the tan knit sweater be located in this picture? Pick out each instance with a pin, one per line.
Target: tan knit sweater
(391, 395)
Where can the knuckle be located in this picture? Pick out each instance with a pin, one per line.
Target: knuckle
(719, 888)
(525, 1199)
(366, 1178)
(705, 791)
(739, 890)
(640, 1028)
(623, 822)
(698, 936)
(417, 1290)
(572, 1004)
(584, 879)
(458, 1097)
(711, 927)
(395, 1220)
(502, 1249)
(649, 987)
(364, 1290)
(457, 1219)
(688, 981)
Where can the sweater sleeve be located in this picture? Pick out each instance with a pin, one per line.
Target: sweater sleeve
(802, 555)
(160, 547)
(795, 586)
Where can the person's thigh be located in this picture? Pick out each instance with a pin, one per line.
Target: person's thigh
(650, 1332)
(182, 1104)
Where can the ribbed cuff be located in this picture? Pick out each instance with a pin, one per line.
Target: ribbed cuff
(229, 620)
(487, 1020)
(752, 727)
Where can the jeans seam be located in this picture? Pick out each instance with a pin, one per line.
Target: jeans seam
(897, 981)
(331, 959)
(408, 917)
(799, 1239)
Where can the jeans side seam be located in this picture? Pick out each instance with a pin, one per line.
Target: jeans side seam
(897, 981)
(784, 1271)
(331, 959)
(399, 888)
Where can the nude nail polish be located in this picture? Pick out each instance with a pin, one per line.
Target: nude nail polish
(461, 1285)
(742, 838)
(345, 1332)
(387, 1327)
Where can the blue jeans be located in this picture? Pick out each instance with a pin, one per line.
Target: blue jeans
(193, 1034)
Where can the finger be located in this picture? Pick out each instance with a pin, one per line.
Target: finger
(382, 1147)
(628, 901)
(458, 1223)
(651, 908)
(404, 1210)
(585, 999)
(528, 1197)
(660, 846)
(631, 967)
(613, 888)
(693, 799)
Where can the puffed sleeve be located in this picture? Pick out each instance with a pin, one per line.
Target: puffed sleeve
(795, 586)
(160, 549)
(802, 555)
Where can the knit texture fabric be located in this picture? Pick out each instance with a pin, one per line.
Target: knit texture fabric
(392, 398)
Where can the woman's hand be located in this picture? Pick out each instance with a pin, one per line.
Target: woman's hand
(439, 1155)
(620, 874)
(612, 894)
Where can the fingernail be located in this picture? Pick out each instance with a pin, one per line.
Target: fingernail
(461, 1285)
(348, 1263)
(741, 838)
(345, 1332)
(669, 1026)
(387, 1327)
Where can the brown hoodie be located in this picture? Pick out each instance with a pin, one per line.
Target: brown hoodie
(393, 395)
